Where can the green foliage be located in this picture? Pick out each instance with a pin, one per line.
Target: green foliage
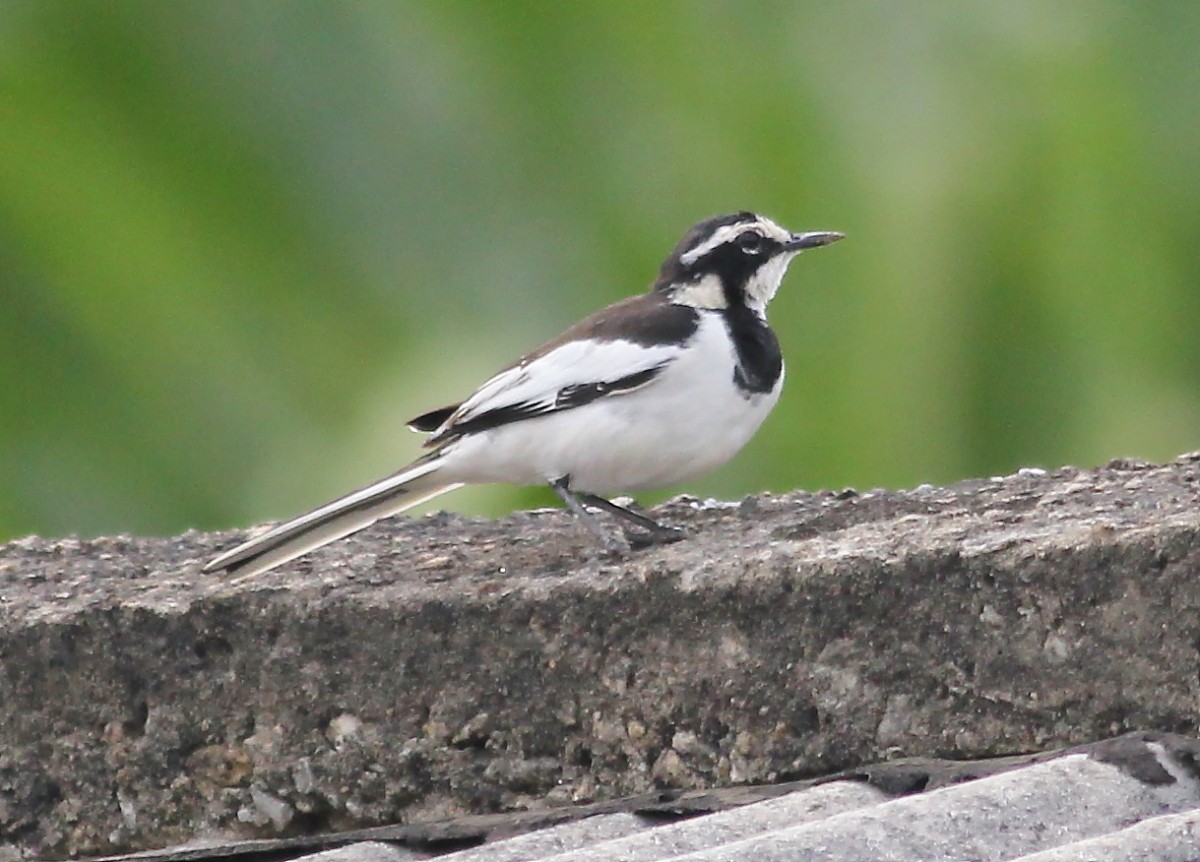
(241, 243)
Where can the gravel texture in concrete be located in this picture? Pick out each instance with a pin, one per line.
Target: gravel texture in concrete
(443, 666)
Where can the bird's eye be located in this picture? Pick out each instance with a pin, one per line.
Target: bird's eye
(750, 242)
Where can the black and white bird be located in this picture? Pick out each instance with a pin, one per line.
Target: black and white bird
(649, 392)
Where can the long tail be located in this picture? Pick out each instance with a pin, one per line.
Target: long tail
(411, 486)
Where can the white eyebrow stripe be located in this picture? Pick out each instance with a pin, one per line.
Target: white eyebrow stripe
(719, 237)
(728, 232)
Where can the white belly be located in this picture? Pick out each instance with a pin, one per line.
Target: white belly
(689, 420)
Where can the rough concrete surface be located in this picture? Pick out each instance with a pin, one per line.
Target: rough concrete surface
(433, 667)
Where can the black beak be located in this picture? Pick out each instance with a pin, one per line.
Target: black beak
(812, 239)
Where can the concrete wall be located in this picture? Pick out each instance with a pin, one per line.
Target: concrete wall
(434, 667)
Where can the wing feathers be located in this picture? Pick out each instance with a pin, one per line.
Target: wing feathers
(432, 420)
(585, 393)
(569, 376)
(615, 351)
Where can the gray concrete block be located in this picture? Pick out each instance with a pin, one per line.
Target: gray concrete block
(1169, 838)
(726, 827)
(555, 840)
(365, 851)
(993, 819)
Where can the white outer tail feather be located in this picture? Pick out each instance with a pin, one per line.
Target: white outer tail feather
(360, 509)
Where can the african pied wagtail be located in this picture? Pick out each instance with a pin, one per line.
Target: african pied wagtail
(650, 391)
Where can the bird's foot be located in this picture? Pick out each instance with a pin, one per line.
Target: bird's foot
(660, 534)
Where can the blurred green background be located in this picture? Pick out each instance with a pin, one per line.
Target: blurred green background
(241, 243)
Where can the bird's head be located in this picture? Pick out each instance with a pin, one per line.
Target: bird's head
(737, 259)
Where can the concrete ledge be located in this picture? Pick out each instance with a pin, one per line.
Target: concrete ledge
(444, 666)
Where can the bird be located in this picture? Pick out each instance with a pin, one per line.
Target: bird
(651, 391)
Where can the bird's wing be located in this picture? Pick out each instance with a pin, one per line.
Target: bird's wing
(432, 420)
(568, 375)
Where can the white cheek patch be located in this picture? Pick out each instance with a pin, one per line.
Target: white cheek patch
(705, 293)
(763, 284)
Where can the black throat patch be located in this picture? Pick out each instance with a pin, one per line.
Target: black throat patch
(759, 360)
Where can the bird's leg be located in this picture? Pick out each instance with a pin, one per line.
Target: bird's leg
(612, 544)
(655, 533)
